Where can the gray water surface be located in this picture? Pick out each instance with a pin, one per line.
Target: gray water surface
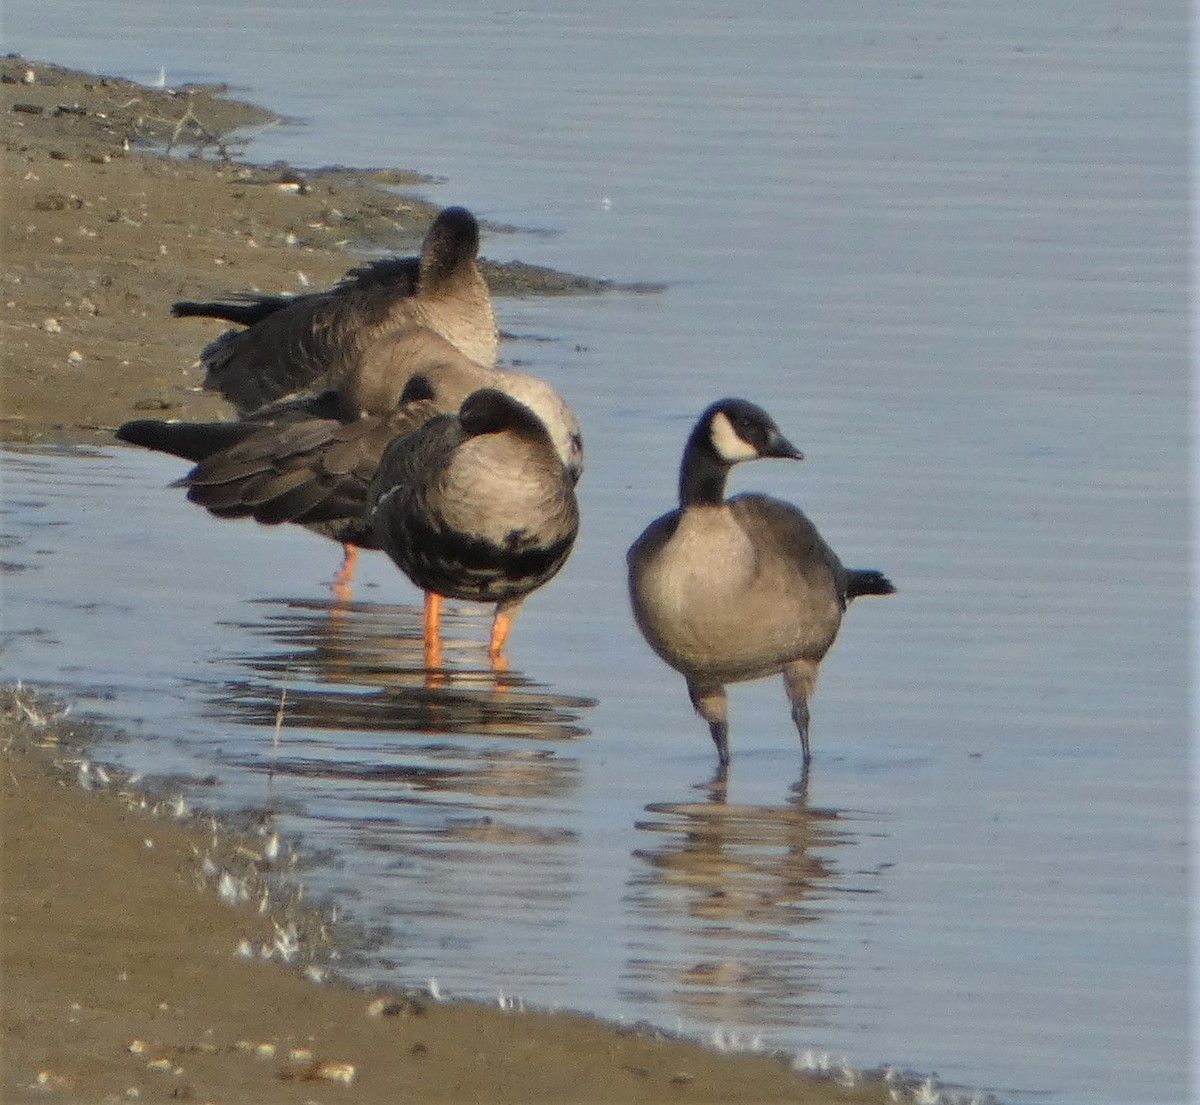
(946, 247)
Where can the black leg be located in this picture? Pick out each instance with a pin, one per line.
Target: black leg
(710, 704)
(720, 736)
(800, 679)
(800, 717)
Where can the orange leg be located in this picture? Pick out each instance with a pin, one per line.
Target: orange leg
(431, 630)
(344, 574)
(501, 624)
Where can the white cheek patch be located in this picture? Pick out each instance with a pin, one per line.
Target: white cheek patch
(726, 441)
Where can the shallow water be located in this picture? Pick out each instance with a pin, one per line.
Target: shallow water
(948, 254)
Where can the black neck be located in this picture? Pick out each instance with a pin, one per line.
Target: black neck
(702, 475)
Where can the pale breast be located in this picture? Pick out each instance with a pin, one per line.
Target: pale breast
(716, 591)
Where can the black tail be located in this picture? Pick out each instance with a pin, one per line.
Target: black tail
(245, 311)
(867, 581)
(190, 440)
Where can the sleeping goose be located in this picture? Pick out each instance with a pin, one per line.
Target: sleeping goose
(311, 463)
(476, 505)
(357, 337)
(726, 590)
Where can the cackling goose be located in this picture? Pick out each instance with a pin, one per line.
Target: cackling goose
(726, 590)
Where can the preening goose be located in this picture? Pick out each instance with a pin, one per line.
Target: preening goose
(359, 337)
(726, 590)
(476, 505)
(319, 381)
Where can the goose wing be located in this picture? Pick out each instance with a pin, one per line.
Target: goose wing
(315, 472)
(307, 343)
(791, 554)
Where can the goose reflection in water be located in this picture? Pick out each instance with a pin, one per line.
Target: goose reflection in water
(360, 666)
(724, 895)
(444, 806)
(342, 689)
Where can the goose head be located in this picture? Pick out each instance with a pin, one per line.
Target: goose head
(728, 432)
(492, 411)
(451, 242)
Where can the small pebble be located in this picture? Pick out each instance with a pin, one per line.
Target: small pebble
(336, 1072)
(382, 1007)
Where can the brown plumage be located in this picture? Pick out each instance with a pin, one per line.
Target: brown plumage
(308, 462)
(295, 463)
(362, 337)
(478, 506)
(320, 382)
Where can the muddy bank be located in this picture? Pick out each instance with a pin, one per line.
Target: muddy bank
(103, 231)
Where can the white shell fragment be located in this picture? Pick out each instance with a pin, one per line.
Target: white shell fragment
(336, 1072)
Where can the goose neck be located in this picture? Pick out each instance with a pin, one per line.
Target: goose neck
(702, 476)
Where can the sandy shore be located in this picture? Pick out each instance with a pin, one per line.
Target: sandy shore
(122, 978)
(101, 235)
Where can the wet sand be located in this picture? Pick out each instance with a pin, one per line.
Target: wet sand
(122, 978)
